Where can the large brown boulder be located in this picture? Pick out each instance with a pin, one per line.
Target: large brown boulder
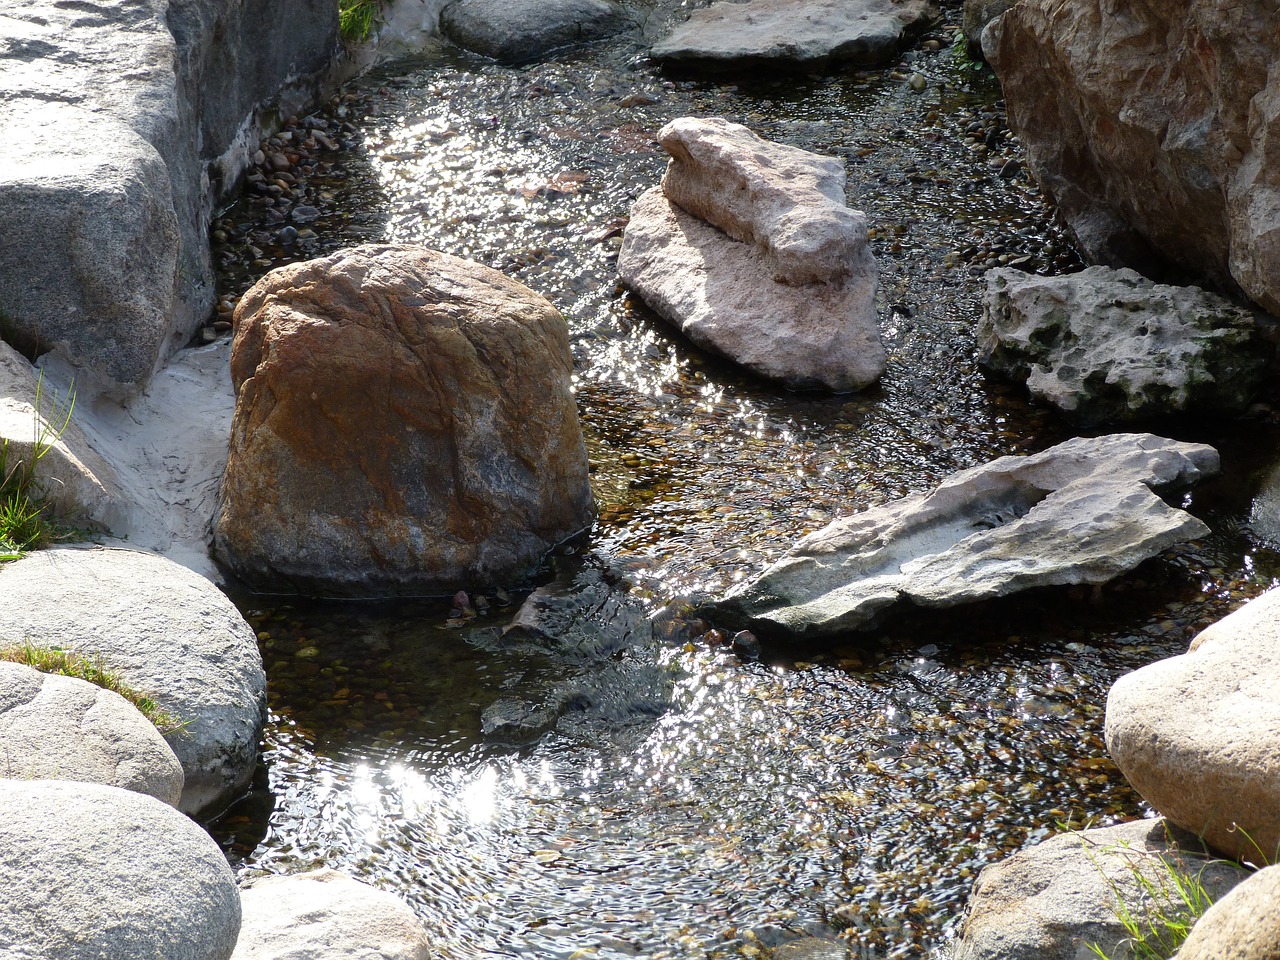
(1156, 128)
(404, 423)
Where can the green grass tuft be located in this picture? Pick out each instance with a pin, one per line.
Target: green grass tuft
(69, 664)
(355, 18)
(26, 521)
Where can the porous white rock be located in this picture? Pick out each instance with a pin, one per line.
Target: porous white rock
(1106, 344)
(62, 728)
(168, 633)
(1198, 735)
(1052, 900)
(89, 872)
(326, 915)
(800, 33)
(1083, 511)
(747, 247)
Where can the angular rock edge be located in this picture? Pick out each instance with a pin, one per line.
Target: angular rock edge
(1083, 511)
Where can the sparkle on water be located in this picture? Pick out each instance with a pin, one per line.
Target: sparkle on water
(851, 792)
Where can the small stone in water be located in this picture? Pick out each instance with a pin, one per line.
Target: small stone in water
(745, 645)
(918, 82)
(461, 600)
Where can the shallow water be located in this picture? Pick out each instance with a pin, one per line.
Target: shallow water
(654, 794)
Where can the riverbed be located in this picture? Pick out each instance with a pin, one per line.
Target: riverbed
(630, 785)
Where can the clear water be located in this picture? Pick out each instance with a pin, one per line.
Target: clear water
(631, 787)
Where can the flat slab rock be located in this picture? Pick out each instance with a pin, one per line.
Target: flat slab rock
(1108, 344)
(1199, 735)
(62, 728)
(90, 872)
(748, 248)
(1050, 901)
(169, 633)
(515, 31)
(326, 915)
(1081, 512)
(802, 33)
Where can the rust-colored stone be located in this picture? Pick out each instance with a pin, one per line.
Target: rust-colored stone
(404, 423)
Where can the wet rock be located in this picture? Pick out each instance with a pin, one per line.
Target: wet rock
(798, 33)
(1243, 925)
(515, 31)
(510, 719)
(404, 422)
(1081, 512)
(1199, 735)
(168, 633)
(89, 871)
(748, 248)
(1051, 901)
(584, 617)
(1155, 132)
(326, 915)
(117, 145)
(1108, 344)
(62, 728)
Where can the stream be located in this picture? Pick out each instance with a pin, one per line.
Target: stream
(612, 779)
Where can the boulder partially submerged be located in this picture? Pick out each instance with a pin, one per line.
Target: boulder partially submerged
(405, 424)
(1108, 345)
(1052, 900)
(515, 31)
(748, 248)
(797, 33)
(1084, 511)
(1199, 735)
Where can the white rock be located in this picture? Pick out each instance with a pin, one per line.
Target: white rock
(1243, 925)
(1199, 735)
(62, 728)
(1108, 344)
(168, 633)
(796, 32)
(788, 201)
(1050, 901)
(722, 295)
(1081, 512)
(325, 915)
(89, 872)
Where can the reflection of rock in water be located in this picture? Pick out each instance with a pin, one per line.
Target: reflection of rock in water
(599, 671)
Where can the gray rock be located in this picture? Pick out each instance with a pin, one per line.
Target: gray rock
(325, 915)
(787, 201)
(122, 128)
(1199, 735)
(515, 31)
(1081, 512)
(1243, 925)
(89, 872)
(1051, 901)
(748, 249)
(977, 14)
(1108, 344)
(168, 633)
(800, 33)
(61, 728)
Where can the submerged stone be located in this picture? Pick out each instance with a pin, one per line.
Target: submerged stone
(1084, 511)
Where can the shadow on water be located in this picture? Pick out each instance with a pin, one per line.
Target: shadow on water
(609, 780)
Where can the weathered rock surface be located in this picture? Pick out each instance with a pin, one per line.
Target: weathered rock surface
(88, 871)
(1051, 901)
(1243, 925)
(1199, 735)
(518, 30)
(122, 126)
(80, 486)
(977, 14)
(61, 728)
(748, 249)
(1108, 344)
(800, 33)
(325, 915)
(168, 633)
(1081, 512)
(404, 423)
(1155, 128)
